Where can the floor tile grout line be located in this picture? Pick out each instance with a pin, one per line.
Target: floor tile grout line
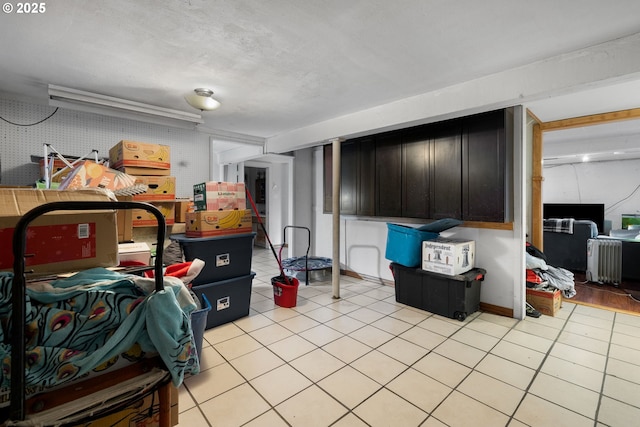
(604, 374)
(538, 370)
(472, 370)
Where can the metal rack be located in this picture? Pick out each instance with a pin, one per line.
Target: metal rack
(18, 297)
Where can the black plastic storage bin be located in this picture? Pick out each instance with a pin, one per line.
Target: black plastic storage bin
(230, 299)
(225, 257)
(451, 296)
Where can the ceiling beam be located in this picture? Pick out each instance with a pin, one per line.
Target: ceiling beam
(594, 119)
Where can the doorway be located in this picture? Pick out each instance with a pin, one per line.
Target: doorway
(255, 179)
(601, 295)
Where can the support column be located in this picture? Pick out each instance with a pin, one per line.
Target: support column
(335, 263)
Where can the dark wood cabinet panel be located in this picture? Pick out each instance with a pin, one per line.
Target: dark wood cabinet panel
(349, 177)
(366, 197)
(389, 174)
(446, 171)
(415, 174)
(327, 162)
(484, 163)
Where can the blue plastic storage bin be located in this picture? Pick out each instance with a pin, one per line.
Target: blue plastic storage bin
(199, 323)
(404, 244)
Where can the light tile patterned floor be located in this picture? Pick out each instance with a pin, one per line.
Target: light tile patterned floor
(365, 360)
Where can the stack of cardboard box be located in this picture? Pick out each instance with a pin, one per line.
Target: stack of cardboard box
(220, 209)
(150, 164)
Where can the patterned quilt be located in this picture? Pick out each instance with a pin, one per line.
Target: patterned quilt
(88, 321)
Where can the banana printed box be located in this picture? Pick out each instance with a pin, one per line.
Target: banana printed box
(448, 256)
(159, 188)
(218, 223)
(139, 154)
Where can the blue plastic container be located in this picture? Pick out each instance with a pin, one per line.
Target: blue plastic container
(404, 244)
(199, 324)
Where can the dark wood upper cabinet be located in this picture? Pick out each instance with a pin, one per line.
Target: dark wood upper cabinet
(484, 163)
(415, 174)
(451, 169)
(445, 168)
(389, 174)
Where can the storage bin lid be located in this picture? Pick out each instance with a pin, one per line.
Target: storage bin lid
(440, 225)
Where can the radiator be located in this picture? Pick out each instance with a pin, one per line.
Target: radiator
(604, 261)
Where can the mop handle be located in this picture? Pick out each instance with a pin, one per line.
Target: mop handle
(255, 209)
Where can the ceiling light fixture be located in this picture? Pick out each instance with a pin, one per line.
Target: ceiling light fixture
(201, 99)
(79, 100)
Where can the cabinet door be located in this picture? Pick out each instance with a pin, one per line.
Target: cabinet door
(483, 158)
(366, 177)
(446, 171)
(388, 175)
(327, 161)
(415, 174)
(348, 177)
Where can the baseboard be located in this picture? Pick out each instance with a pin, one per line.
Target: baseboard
(496, 309)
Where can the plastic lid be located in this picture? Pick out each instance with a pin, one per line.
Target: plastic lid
(440, 225)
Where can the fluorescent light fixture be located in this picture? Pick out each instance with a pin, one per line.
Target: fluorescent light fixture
(79, 100)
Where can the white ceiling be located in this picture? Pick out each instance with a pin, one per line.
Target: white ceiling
(282, 65)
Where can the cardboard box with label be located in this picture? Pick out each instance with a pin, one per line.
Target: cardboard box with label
(60, 241)
(219, 196)
(448, 256)
(218, 223)
(158, 188)
(546, 302)
(140, 154)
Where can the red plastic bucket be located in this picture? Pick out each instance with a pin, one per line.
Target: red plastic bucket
(285, 295)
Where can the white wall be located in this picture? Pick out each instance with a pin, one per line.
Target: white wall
(76, 134)
(614, 183)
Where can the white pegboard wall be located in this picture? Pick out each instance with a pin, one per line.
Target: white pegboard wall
(75, 133)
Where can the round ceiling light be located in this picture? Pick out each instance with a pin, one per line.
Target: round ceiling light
(201, 99)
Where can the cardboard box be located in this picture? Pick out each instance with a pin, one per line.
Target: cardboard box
(125, 221)
(60, 241)
(142, 413)
(546, 302)
(159, 188)
(218, 223)
(144, 218)
(448, 256)
(140, 154)
(219, 196)
(57, 166)
(133, 170)
(182, 207)
(134, 254)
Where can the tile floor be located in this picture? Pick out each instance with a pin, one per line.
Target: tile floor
(365, 360)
